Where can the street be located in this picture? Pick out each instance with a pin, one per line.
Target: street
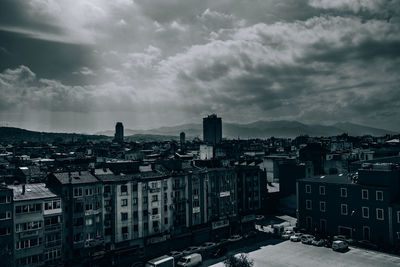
(285, 253)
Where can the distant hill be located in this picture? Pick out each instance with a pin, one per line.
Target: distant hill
(264, 129)
(258, 129)
(12, 134)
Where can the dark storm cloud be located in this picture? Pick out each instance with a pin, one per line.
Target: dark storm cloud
(173, 61)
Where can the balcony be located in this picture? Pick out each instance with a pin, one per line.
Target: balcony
(155, 190)
(29, 233)
(92, 212)
(54, 227)
(51, 244)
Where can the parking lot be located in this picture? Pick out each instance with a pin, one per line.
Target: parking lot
(275, 252)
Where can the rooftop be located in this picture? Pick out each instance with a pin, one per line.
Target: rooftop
(83, 177)
(32, 191)
(333, 179)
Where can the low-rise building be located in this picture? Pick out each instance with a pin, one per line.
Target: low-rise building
(81, 194)
(362, 206)
(37, 225)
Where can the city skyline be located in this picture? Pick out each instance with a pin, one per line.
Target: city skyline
(76, 67)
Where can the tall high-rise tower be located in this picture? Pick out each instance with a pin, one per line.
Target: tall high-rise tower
(182, 140)
(212, 129)
(119, 133)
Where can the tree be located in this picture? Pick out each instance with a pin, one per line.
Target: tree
(238, 261)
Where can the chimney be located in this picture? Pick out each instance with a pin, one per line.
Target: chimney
(23, 189)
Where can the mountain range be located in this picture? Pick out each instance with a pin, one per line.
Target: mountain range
(263, 129)
(258, 129)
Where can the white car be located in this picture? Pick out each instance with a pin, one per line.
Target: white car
(339, 245)
(296, 237)
(287, 234)
(194, 259)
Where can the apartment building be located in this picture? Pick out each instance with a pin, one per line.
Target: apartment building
(82, 199)
(222, 199)
(6, 226)
(363, 206)
(37, 230)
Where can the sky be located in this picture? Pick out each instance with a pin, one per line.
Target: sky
(81, 66)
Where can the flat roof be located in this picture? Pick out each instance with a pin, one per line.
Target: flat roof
(32, 191)
(82, 177)
(333, 179)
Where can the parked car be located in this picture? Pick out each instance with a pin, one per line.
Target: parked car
(218, 252)
(208, 245)
(339, 245)
(319, 242)
(176, 255)
(194, 259)
(344, 238)
(191, 250)
(296, 237)
(307, 239)
(234, 238)
(163, 261)
(287, 234)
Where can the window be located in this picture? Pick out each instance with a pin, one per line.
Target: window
(134, 187)
(144, 200)
(124, 229)
(124, 189)
(154, 198)
(364, 194)
(154, 211)
(379, 214)
(398, 217)
(89, 236)
(5, 215)
(89, 206)
(165, 208)
(343, 192)
(322, 190)
(124, 202)
(308, 188)
(5, 199)
(308, 204)
(78, 192)
(89, 191)
(124, 216)
(343, 209)
(365, 212)
(107, 189)
(89, 221)
(134, 201)
(51, 205)
(28, 208)
(322, 206)
(379, 195)
(135, 228)
(5, 231)
(20, 227)
(165, 220)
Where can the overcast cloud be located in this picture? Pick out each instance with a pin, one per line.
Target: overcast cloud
(83, 65)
